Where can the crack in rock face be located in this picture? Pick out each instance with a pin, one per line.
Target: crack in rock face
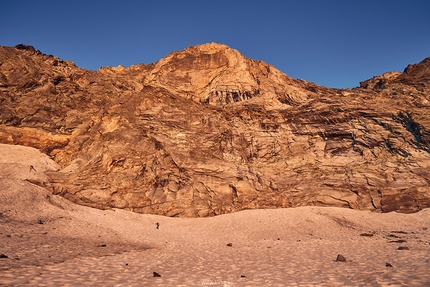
(207, 131)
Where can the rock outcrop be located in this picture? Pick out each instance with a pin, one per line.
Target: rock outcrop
(206, 131)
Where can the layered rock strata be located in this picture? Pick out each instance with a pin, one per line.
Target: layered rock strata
(207, 131)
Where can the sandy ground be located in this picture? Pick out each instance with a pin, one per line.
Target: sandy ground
(47, 241)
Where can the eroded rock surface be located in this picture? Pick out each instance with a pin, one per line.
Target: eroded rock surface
(206, 131)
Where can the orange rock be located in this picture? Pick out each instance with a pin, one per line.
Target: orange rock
(207, 131)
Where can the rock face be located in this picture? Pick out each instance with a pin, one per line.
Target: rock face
(206, 131)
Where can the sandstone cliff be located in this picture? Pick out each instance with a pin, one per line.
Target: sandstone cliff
(207, 131)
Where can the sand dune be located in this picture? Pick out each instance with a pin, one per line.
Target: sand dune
(47, 241)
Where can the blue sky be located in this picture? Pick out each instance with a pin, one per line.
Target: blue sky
(335, 43)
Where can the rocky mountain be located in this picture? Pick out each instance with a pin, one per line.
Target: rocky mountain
(207, 131)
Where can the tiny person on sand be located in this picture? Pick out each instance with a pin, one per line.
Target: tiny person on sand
(157, 225)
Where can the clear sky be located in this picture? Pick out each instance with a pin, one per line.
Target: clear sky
(335, 43)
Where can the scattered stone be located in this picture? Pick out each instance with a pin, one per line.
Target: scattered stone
(3, 256)
(40, 221)
(401, 232)
(402, 248)
(392, 235)
(156, 274)
(366, 234)
(229, 244)
(388, 265)
(242, 276)
(340, 258)
(157, 225)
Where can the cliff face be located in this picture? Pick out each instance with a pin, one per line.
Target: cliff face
(206, 131)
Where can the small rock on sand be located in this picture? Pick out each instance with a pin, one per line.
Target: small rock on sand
(340, 258)
(402, 248)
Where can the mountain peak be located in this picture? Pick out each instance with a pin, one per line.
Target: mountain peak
(208, 47)
(416, 74)
(216, 74)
